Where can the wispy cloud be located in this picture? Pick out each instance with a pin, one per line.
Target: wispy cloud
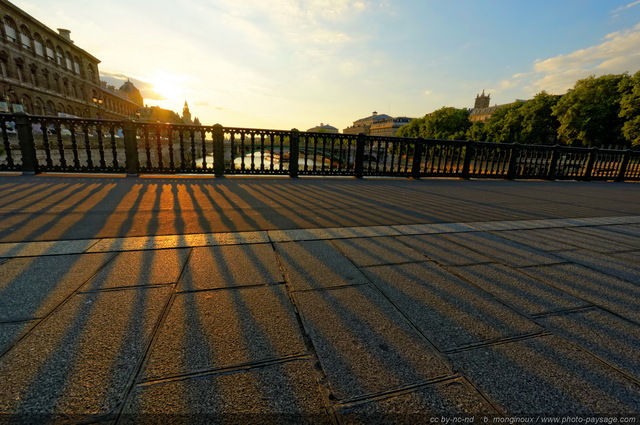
(617, 53)
(628, 6)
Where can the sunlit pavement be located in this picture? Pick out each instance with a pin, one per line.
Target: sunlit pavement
(249, 300)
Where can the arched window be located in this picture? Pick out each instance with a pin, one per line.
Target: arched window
(59, 56)
(33, 69)
(45, 75)
(76, 65)
(38, 45)
(38, 106)
(4, 64)
(27, 105)
(50, 109)
(10, 29)
(25, 37)
(69, 61)
(20, 69)
(74, 90)
(90, 74)
(50, 52)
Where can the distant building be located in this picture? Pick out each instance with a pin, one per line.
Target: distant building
(363, 125)
(388, 127)
(42, 72)
(158, 114)
(481, 110)
(324, 128)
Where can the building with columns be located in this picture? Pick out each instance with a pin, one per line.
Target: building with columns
(43, 72)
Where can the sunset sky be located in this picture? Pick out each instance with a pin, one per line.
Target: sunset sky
(297, 63)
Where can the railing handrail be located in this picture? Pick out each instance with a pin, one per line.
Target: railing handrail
(297, 152)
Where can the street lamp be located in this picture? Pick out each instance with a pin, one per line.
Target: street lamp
(98, 101)
(7, 106)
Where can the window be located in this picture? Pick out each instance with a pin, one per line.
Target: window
(76, 65)
(10, 30)
(37, 45)
(50, 53)
(25, 38)
(59, 57)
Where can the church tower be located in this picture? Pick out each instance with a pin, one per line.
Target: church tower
(186, 114)
(482, 101)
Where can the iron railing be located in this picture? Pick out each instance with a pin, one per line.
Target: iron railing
(35, 144)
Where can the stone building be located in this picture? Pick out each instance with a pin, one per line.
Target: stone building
(363, 125)
(388, 127)
(324, 128)
(43, 72)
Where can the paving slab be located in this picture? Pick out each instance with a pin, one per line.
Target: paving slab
(589, 241)
(317, 264)
(138, 268)
(364, 344)
(11, 332)
(281, 393)
(450, 312)
(21, 249)
(224, 328)
(377, 251)
(228, 266)
(31, 287)
(600, 289)
(629, 229)
(72, 364)
(331, 233)
(516, 289)
(608, 337)
(503, 250)
(423, 229)
(539, 239)
(443, 251)
(623, 265)
(611, 236)
(548, 376)
(455, 398)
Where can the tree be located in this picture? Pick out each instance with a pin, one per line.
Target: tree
(630, 108)
(446, 123)
(505, 124)
(412, 129)
(589, 115)
(539, 125)
(477, 132)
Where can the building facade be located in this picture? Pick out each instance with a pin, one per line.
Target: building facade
(324, 128)
(388, 127)
(42, 72)
(363, 125)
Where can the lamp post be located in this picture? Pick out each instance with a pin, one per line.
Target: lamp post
(98, 101)
(6, 99)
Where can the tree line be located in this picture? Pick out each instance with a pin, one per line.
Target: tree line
(597, 112)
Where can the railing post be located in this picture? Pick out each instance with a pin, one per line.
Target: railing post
(553, 164)
(27, 145)
(359, 165)
(218, 150)
(592, 159)
(294, 152)
(417, 157)
(512, 171)
(623, 166)
(468, 154)
(130, 149)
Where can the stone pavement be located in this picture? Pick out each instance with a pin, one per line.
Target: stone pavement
(416, 301)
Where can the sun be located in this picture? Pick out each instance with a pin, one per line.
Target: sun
(168, 87)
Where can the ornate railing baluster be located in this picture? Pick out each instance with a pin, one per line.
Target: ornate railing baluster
(172, 165)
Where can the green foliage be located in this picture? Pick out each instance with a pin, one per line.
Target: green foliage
(539, 125)
(445, 123)
(589, 115)
(477, 132)
(505, 125)
(630, 108)
(410, 130)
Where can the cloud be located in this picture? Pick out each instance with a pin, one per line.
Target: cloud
(630, 5)
(427, 92)
(616, 53)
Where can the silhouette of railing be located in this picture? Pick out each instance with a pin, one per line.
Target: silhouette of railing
(35, 144)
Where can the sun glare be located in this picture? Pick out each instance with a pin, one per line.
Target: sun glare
(169, 87)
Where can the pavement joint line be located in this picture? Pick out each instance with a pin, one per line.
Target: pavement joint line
(500, 341)
(138, 243)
